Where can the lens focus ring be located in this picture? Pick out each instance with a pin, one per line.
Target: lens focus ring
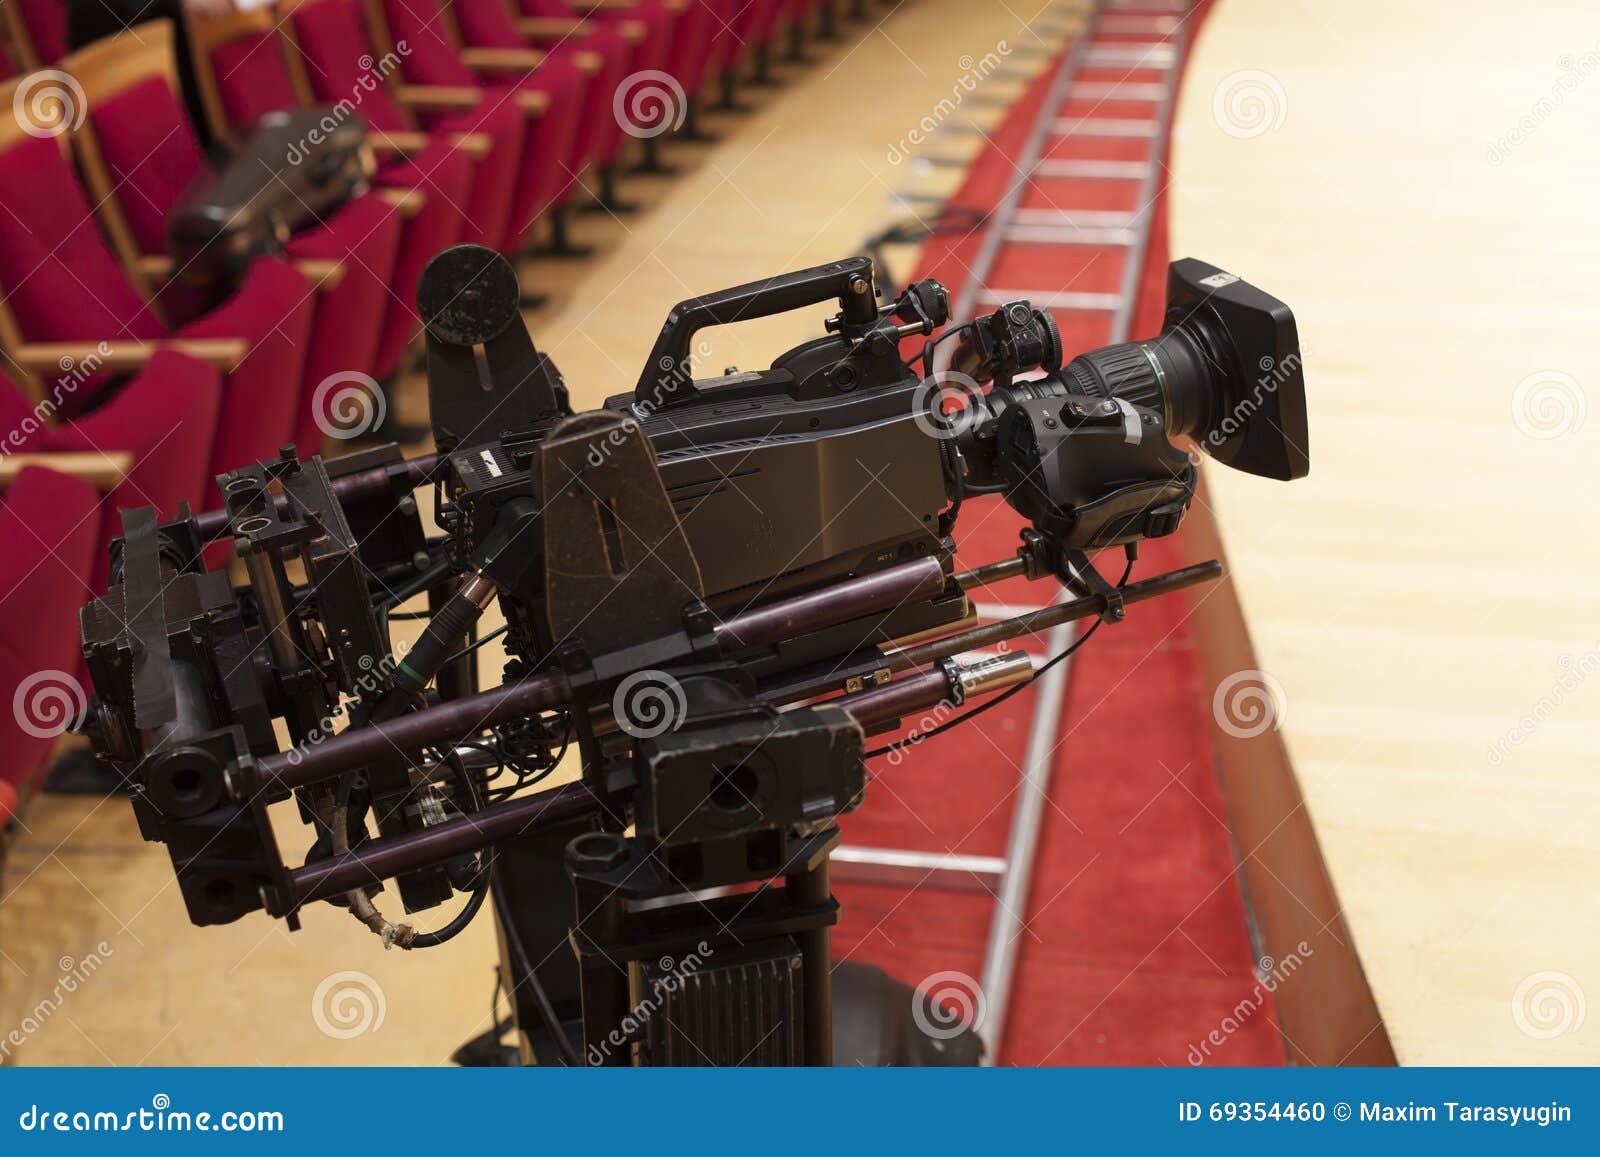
(1119, 371)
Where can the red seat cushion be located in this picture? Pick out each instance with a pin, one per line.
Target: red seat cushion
(48, 533)
(167, 419)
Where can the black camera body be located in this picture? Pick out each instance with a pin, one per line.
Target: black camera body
(764, 559)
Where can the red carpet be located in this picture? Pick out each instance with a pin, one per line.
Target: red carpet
(1135, 947)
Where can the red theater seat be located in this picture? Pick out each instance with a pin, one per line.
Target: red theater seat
(48, 537)
(138, 155)
(159, 424)
(600, 137)
(332, 58)
(243, 73)
(63, 290)
(38, 31)
(434, 56)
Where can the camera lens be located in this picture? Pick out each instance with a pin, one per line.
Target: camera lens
(1225, 371)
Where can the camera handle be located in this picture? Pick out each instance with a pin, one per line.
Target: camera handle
(668, 377)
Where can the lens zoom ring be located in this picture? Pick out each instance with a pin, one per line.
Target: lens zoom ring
(1119, 371)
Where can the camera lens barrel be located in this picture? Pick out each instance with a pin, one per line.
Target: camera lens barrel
(1169, 374)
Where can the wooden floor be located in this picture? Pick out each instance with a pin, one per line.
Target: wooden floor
(1417, 182)
(799, 183)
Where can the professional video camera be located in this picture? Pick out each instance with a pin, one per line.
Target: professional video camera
(717, 588)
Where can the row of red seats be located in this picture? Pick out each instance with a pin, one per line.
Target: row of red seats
(121, 387)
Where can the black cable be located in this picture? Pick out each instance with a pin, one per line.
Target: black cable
(417, 585)
(471, 647)
(1004, 695)
(480, 889)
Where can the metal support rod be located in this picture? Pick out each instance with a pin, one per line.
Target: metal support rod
(820, 681)
(452, 721)
(391, 856)
(1052, 616)
(991, 572)
(383, 858)
(1000, 954)
(349, 488)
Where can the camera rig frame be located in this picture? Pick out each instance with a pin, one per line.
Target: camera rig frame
(716, 588)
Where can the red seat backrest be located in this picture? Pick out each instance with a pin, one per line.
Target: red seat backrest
(152, 154)
(340, 64)
(58, 275)
(488, 24)
(431, 54)
(251, 77)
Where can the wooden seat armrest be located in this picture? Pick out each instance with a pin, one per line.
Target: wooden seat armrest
(225, 353)
(475, 145)
(502, 59)
(533, 102)
(397, 142)
(102, 469)
(588, 63)
(553, 27)
(324, 273)
(441, 97)
(407, 202)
